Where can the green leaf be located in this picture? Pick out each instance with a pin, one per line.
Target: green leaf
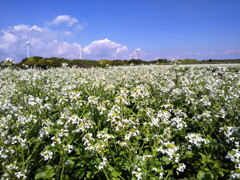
(48, 173)
(88, 174)
(78, 151)
(166, 159)
(200, 175)
(114, 178)
(154, 178)
(70, 162)
(189, 154)
(65, 177)
(115, 174)
(41, 175)
(203, 155)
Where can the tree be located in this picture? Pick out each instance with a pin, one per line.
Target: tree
(162, 60)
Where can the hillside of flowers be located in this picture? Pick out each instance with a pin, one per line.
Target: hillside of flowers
(128, 122)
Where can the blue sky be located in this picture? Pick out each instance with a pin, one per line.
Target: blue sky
(200, 29)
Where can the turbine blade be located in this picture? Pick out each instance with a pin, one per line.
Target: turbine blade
(30, 46)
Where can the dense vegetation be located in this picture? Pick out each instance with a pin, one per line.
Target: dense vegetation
(41, 62)
(129, 122)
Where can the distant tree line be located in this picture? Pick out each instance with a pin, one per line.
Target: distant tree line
(45, 63)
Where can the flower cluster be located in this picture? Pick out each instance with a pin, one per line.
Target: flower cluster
(131, 122)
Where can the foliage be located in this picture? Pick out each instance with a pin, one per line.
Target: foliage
(187, 61)
(135, 61)
(226, 61)
(132, 122)
(45, 63)
(7, 63)
(84, 63)
(162, 60)
(105, 62)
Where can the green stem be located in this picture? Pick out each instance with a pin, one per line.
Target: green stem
(63, 168)
(106, 175)
(29, 157)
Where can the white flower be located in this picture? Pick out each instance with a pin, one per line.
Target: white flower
(181, 168)
(234, 155)
(161, 175)
(68, 148)
(47, 155)
(178, 123)
(93, 100)
(64, 65)
(169, 149)
(205, 101)
(103, 163)
(139, 175)
(229, 132)
(235, 175)
(196, 139)
(20, 175)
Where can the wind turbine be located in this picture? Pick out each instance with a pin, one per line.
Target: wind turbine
(129, 56)
(27, 44)
(80, 49)
(136, 50)
(115, 56)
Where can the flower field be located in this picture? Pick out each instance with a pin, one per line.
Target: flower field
(133, 122)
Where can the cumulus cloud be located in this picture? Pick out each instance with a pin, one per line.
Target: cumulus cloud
(105, 49)
(47, 41)
(43, 40)
(68, 22)
(64, 19)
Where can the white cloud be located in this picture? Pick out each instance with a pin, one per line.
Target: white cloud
(121, 49)
(20, 27)
(231, 51)
(64, 19)
(9, 38)
(67, 33)
(47, 42)
(43, 40)
(192, 53)
(36, 28)
(80, 27)
(67, 21)
(105, 49)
